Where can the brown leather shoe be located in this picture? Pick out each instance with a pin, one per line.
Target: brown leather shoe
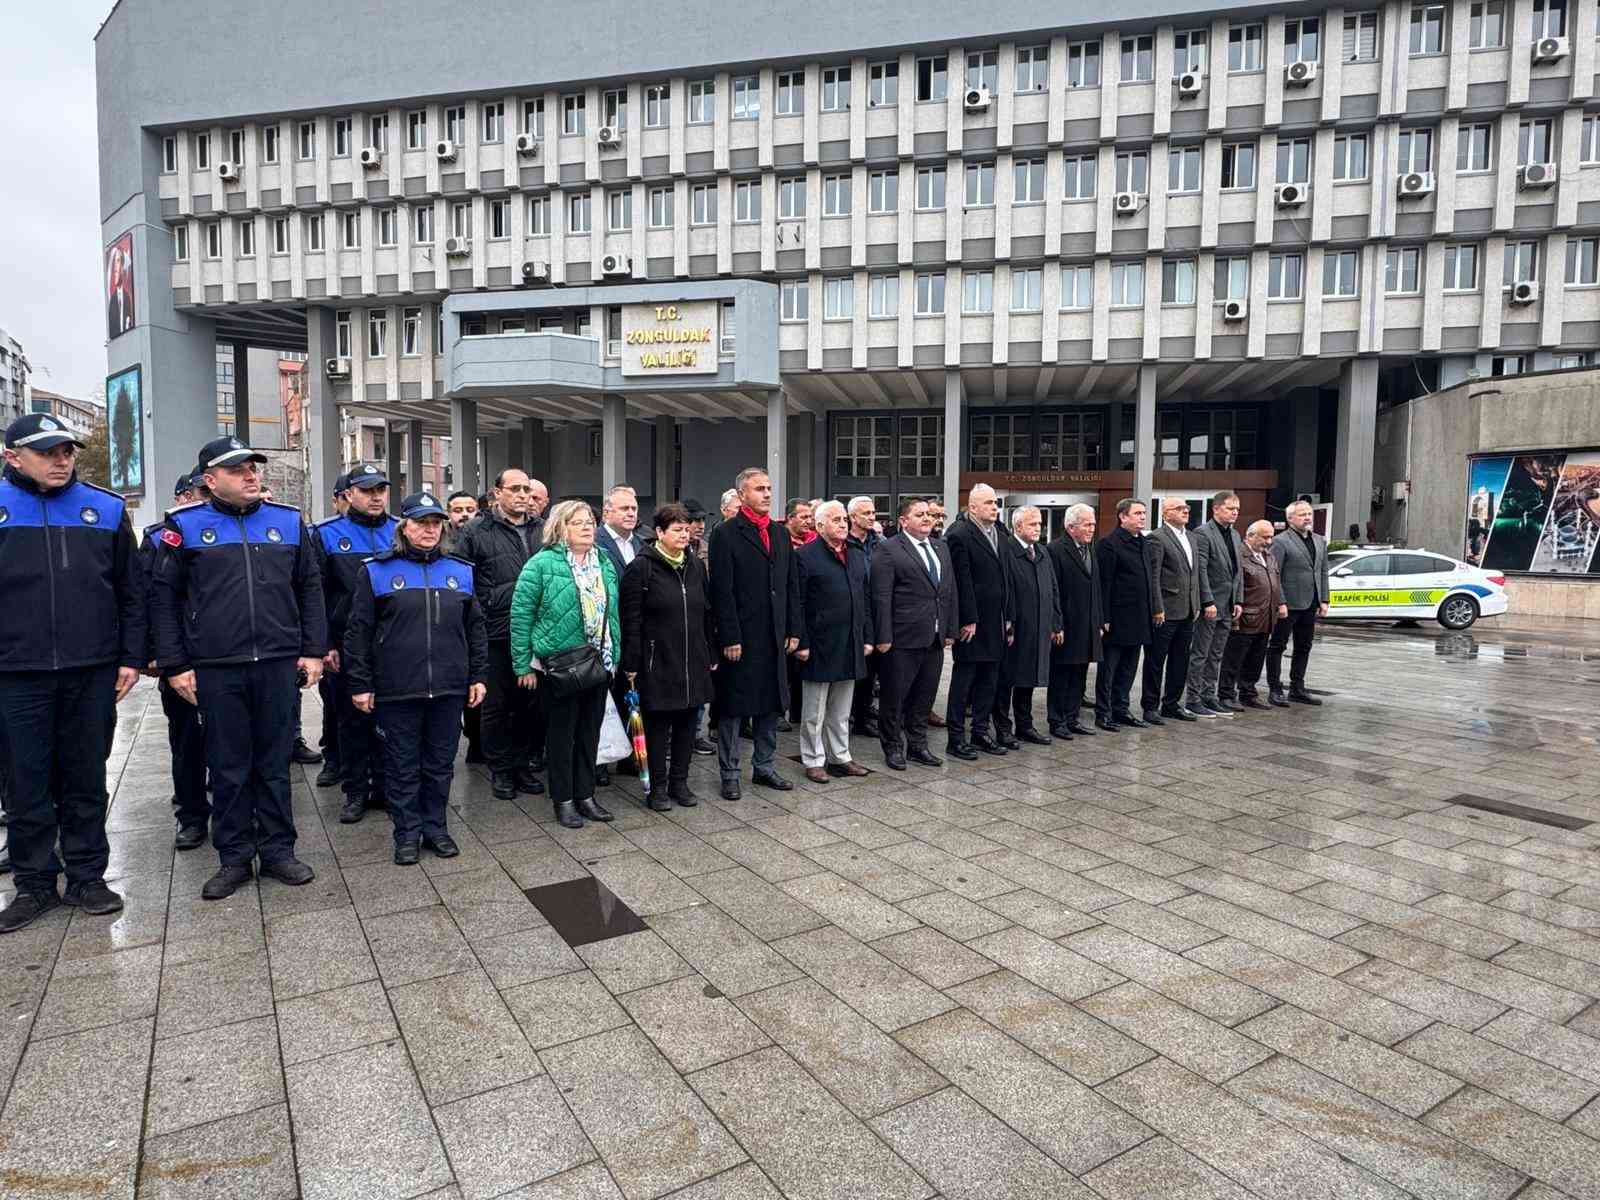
(935, 721)
(817, 775)
(846, 770)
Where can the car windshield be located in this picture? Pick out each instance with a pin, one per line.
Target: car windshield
(1339, 557)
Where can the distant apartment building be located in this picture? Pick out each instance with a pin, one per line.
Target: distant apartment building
(83, 415)
(14, 370)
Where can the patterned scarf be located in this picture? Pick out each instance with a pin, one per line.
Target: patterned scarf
(592, 599)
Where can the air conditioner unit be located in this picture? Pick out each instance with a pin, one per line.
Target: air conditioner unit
(1291, 195)
(1235, 310)
(977, 99)
(337, 368)
(1300, 74)
(227, 171)
(791, 234)
(609, 137)
(1189, 83)
(445, 150)
(615, 265)
(1549, 49)
(1524, 291)
(372, 158)
(1125, 204)
(1536, 175)
(1416, 183)
(457, 247)
(527, 145)
(536, 272)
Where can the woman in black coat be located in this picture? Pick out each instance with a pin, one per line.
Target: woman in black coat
(836, 635)
(666, 651)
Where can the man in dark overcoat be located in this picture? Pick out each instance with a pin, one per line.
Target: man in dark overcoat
(1129, 613)
(1081, 620)
(1036, 627)
(836, 638)
(982, 589)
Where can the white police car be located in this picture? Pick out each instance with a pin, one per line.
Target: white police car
(1384, 582)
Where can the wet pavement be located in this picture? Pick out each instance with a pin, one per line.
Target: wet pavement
(1350, 951)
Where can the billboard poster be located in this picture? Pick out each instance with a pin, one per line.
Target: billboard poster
(1537, 513)
(125, 443)
(120, 308)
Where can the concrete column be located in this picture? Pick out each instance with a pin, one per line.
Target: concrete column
(664, 489)
(1144, 436)
(516, 447)
(414, 457)
(613, 442)
(1306, 411)
(322, 414)
(536, 450)
(819, 455)
(494, 455)
(464, 445)
(241, 393)
(955, 435)
(777, 447)
(1352, 462)
(400, 485)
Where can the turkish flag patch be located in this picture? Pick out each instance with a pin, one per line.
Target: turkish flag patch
(171, 537)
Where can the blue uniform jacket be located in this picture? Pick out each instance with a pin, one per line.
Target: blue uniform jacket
(344, 543)
(416, 630)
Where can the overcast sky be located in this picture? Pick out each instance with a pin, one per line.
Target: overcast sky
(49, 194)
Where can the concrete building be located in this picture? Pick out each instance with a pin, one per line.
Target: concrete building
(14, 371)
(1075, 255)
(82, 415)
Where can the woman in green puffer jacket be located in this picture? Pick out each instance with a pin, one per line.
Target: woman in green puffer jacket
(565, 597)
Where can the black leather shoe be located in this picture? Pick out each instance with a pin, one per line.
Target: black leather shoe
(1079, 729)
(304, 754)
(529, 784)
(1130, 720)
(784, 725)
(658, 801)
(1178, 713)
(767, 779)
(1251, 700)
(592, 811)
(1151, 717)
(962, 751)
(730, 790)
(867, 728)
(190, 836)
(602, 777)
(1104, 724)
(288, 870)
(331, 776)
(1061, 733)
(895, 762)
(226, 882)
(1228, 705)
(443, 846)
(567, 814)
(1303, 697)
(406, 854)
(1008, 741)
(704, 746)
(681, 795)
(987, 744)
(925, 757)
(26, 908)
(354, 809)
(503, 786)
(93, 897)
(1033, 737)
(1277, 699)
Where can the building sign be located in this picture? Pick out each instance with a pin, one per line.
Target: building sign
(1537, 512)
(670, 339)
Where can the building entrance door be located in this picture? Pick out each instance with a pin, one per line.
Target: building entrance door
(1053, 506)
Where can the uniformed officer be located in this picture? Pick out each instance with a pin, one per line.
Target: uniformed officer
(72, 641)
(237, 608)
(185, 734)
(416, 649)
(332, 773)
(344, 543)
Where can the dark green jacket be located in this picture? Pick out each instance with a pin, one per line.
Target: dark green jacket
(545, 615)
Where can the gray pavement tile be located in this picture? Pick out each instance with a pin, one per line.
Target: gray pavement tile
(884, 879)
(487, 902)
(381, 887)
(332, 1022)
(886, 994)
(1576, 908)
(562, 1008)
(865, 1068)
(509, 1137)
(142, 921)
(1563, 939)
(1535, 1085)
(653, 1132)
(201, 1077)
(1363, 1131)
(864, 831)
(1556, 1045)
(1014, 869)
(525, 955)
(1067, 1120)
(955, 916)
(1418, 922)
(760, 854)
(72, 1121)
(1136, 884)
(784, 1116)
(933, 957)
(461, 1037)
(1587, 1121)
(1423, 994)
(722, 950)
(1042, 914)
(1053, 967)
(643, 884)
(633, 960)
(247, 1157)
(1587, 1022)
(1438, 878)
(850, 907)
(345, 1105)
(756, 904)
(317, 952)
(420, 943)
(537, 861)
(326, 891)
(970, 879)
(692, 1023)
(952, 839)
(1539, 1148)
(198, 930)
(1245, 864)
(200, 995)
(1558, 969)
(1210, 1050)
(969, 1155)
(797, 833)
(1333, 870)
(1271, 1160)
(745, 1182)
(1198, 987)
(1270, 901)
(106, 989)
(679, 851)
(1165, 929)
(1158, 1167)
(589, 1182)
(1286, 940)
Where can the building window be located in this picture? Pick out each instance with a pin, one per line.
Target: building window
(578, 212)
(791, 199)
(883, 192)
(533, 117)
(791, 96)
(702, 101)
(1183, 169)
(169, 155)
(883, 85)
(619, 210)
(572, 114)
(180, 243)
(1521, 264)
(1589, 148)
(1507, 364)
(746, 201)
(930, 294)
(1461, 268)
(236, 146)
(1220, 439)
(537, 216)
(1488, 25)
(350, 230)
(417, 130)
(494, 122)
(838, 299)
(202, 152)
(922, 447)
(1302, 40)
(1294, 160)
(862, 447)
(1077, 287)
(1189, 51)
(213, 231)
(1232, 281)
(1027, 182)
(305, 146)
(1284, 273)
(930, 188)
(1027, 289)
(1415, 150)
(1244, 47)
(313, 234)
(1583, 262)
(1133, 172)
(422, 224)
(933, 78)
(341, 137)
(389, 226)
(1350, 156)
(836, 195)
(883, 296)
(1239, 166)
(657, 105)
(461, 219)
(377, 332)
(980, 185)
(1003, 442)
(378, 131)
(1081, 175)
(1427, 29)
(1472, 148)
(1402, 271)
(455, 124)
(1073, 441)
(1033, 68)
(1083, 64)
(1535, 142)
(1340, 270)
(661, 208)
(1127, 285)
(1549, 18)
(977, 292)
(1138, 59)
(1177, 281)
(269, 144)
(746, 98)
(1361, 37)
(835, 89)
(983, 70)
(614, 108)
(1571, 362)
(410, 332)
(499, 220)
(794, 300)
(246, 227)
(343, 342)
(703, 204)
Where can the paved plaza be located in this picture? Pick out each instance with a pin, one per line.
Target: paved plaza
(1295, 954)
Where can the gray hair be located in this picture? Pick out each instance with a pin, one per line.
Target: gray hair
(1302, 504)
(745, 476)
(858, 501)
(731, 496)
(979, 487)
(622, 487)
(1078, 512)
(1261, 526)
(826, 510)
(1018, 514)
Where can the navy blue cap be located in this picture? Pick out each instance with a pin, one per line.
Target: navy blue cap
(40, 431)
(185, 483)
(341, 483)
(421, 504)
(366, 475)
(227, 452)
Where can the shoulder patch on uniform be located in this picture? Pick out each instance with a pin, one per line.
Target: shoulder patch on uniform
(171, 537)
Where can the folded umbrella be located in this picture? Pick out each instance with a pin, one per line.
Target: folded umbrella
(641, 752)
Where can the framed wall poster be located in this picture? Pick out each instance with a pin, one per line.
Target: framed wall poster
(121, 307)
(1536, 512)
(124, 423)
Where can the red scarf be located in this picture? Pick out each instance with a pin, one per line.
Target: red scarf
(761, 523)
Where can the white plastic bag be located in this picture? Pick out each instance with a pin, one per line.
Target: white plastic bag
(614, 743)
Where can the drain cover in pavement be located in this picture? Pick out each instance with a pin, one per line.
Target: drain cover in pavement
(1506, 809)
(584, 910)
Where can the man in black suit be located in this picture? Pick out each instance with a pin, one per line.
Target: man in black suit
(1073, 558)
(983, 588)
(914, 592)
(1129, 614)
(1175, 592)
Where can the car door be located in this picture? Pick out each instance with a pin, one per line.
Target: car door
(1417, 582)
(1356, 584)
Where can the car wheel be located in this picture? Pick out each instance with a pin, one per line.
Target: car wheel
(1458, 612)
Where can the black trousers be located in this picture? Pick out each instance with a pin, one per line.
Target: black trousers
(248, 711)
(792, 711)
(1114, 680)
(508, 714)
(57, 725)
(1064, 700)
(360, 751)
(574, 740)
(866, 693)
(1020, 717)
(472, 726)
(910, 679)
(1302, 623)
(1166, 664)
(419, 759)
(669, 735)
(972, 687)
(329, 742)
(1241, 664)
(186, 737)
